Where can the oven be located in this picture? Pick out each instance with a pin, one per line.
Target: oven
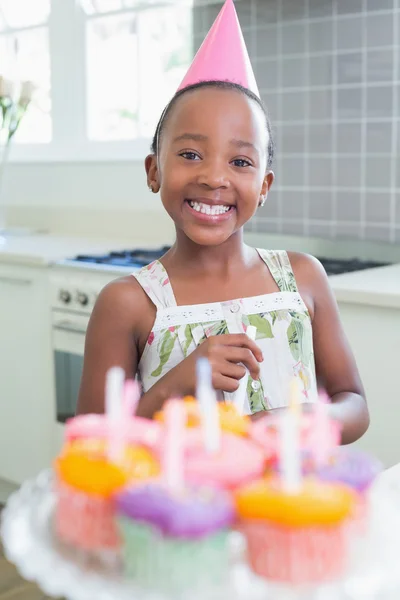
(75, 285)
(68, 334)
(74, 292)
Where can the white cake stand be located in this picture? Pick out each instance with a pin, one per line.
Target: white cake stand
(30, 544)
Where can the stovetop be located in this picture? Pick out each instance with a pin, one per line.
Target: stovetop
(126, 258)
(338, 266)
(137, 258)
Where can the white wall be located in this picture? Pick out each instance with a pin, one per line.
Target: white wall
(82, 185)
(96, 199)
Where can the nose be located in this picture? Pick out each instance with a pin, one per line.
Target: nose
(213, 175)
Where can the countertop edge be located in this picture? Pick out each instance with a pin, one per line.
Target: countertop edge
(379, 299)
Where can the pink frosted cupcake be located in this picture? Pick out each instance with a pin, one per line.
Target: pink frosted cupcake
(237, 461)
(296, 538)
(265, 432)
(137, 430)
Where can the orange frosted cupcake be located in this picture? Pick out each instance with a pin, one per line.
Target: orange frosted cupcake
(86, 486)
(296, 538)
(230, 419)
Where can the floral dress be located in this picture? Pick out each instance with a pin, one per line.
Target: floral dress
(284, 333)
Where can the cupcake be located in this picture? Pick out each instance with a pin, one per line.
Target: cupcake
(137, 430)
(230, 419)
(357, 470)
(301, 537)
(236, 462)
(266, 433)
(175, 541)
(86, 484)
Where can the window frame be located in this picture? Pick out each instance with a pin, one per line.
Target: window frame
(69, 142)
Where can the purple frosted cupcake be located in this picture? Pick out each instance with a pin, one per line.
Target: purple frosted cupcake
(175, 541)
(357, 470)
(353, 468)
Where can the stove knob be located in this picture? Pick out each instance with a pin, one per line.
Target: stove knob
(82, 298)
(65, 296)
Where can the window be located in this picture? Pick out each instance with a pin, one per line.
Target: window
(24, 55)
(105, 69)
(135, 62)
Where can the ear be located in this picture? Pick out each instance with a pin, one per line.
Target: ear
(268, 181)
(150, 164)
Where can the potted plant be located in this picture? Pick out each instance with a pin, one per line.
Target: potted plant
(14, 102)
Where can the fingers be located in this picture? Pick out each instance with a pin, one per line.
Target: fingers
(240, 340)
(245, 356)
(232, 370)
(226, 384)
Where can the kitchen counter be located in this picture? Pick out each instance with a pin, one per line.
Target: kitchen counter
(390, 477)
(373, 287)
(43, 250)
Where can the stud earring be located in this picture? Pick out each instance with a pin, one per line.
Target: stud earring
(263, 199)
(151, 189)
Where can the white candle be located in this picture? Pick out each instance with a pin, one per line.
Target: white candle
(290, 460)
(173, 456)
(113, 405)
(241, 392)
(207, 400)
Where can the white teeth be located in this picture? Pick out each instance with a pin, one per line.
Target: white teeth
(206, 209)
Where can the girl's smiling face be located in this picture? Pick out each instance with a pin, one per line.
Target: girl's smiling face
(211, 168)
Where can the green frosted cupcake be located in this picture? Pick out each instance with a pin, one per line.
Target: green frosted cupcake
(175, 541)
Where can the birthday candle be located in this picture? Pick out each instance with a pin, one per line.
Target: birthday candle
(207, 399)
(131, 397)
(173, 456)
(321, 435)
(113, 404)
(290, 461)
(240, 394)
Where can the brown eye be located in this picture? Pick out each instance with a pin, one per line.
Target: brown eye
(241, 162)
(190, 155)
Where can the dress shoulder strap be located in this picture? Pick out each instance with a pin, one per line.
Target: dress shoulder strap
(155, 282)
(281, 270)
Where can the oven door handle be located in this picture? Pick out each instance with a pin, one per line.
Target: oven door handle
(69, 326)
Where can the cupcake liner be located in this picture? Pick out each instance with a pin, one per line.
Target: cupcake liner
(300, 556)
(139, 546)
(184, 565)
(85, 521)
(361, 513)
(172, 565)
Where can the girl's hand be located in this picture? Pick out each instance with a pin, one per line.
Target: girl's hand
(226, 354)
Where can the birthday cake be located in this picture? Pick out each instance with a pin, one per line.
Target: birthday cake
(164, 495)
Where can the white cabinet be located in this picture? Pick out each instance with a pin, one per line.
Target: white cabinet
(26, 373)
(374, 335)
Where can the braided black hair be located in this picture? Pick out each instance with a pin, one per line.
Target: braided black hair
(224, 85)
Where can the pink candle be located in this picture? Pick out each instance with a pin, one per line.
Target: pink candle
(131, 397)
(321, 437)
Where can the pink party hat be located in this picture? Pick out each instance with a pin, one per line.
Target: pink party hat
(223, 55)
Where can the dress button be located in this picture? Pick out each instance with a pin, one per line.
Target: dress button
(255, 385)
(235, 308)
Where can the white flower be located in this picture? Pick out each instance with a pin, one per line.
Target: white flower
(27, 90)
(7, 87)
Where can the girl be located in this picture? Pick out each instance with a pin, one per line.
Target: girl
(211, 163)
